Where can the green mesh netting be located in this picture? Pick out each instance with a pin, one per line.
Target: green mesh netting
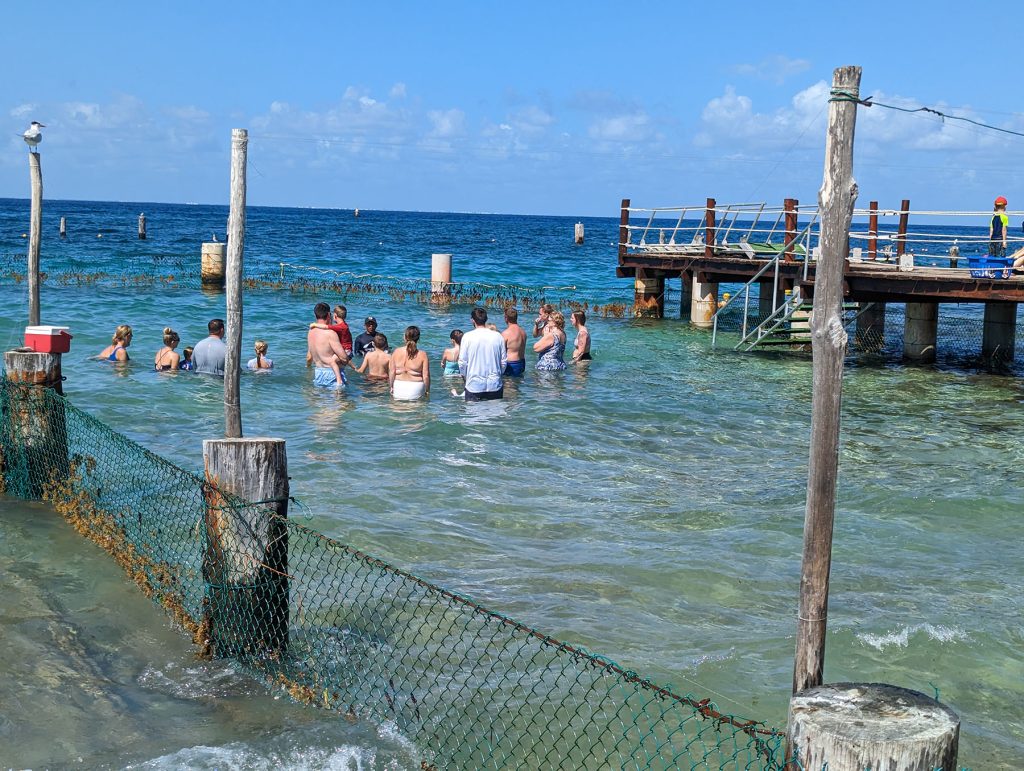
(348, 632)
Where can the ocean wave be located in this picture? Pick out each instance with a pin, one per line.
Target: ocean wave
(237, 756)
(901, 637)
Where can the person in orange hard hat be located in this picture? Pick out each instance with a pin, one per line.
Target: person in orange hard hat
(997, 228)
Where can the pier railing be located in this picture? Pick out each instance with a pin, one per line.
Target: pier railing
(468, 686)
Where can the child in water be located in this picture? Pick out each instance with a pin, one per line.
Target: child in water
(186, 360)
(261, 361)
(376, 363)
(450, 357)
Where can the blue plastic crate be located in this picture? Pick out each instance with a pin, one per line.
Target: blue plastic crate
(990, 267)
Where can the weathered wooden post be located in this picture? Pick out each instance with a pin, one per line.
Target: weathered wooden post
(901, 230)
(709, 229)
(36, 422)
(245, 564)
(212, 268)
(35, 170)
(828, 338)
(623, 228)
(790, 206)
(848, 727)
(578, 233)
(63, 228)
(441, 278)
(873, 230)
(142, 227)
(236, 248)
(857, 726)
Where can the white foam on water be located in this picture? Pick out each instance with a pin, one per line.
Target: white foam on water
(238, 756)
(901, 637)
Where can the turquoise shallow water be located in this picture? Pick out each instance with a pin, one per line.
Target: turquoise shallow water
(649, 507)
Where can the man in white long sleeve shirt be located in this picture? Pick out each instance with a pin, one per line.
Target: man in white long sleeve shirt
(482, 359)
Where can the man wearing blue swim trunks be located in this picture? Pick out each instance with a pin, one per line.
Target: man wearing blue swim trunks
(325, 351)
(515, 343)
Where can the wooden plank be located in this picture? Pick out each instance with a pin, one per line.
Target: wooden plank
(35, 170)
(236, 247)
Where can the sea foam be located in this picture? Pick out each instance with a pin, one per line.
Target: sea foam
(901, 637)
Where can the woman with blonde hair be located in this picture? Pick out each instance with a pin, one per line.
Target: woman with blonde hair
(409, 373)
(261, 361)
(116, 351)
(167, 358)
(551, 345)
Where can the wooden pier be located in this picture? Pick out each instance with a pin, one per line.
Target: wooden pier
(708, 259)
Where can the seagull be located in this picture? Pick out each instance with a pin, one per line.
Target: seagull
(33, 136)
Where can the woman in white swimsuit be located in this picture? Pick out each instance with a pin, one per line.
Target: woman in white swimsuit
(410, 370)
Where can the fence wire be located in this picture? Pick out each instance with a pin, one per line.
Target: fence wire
(348, 632)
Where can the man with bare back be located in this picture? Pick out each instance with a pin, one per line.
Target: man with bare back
(328, 357)
(515, 343)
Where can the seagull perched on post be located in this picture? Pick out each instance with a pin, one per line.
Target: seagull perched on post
(33, 136)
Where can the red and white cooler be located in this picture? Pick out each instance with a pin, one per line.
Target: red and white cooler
(46, 339)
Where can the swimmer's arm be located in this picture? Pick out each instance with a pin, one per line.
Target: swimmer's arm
(426, 373)
(361, 368)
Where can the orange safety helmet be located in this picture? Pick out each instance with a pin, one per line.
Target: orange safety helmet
(1000, 201)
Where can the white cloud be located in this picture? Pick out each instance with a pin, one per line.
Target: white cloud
(633, 127)
(776, 68)
(446, 124)
(23, 110)
(731, 118)
(397, 91)
(188, 114)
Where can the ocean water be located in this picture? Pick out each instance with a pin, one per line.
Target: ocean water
(648, 506)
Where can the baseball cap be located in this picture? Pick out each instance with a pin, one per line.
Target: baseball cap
(370, 320)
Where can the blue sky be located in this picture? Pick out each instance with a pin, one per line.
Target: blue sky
(506, 107)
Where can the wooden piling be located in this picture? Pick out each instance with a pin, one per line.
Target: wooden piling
(623, 227)
(578, 233)
(709, 229)
(212, 266)
(873, 230)
(857, 726)
(901, 231)
(245, 562)
(142, 227)
(790, 206)
(236, 248)
(35, 171)
(835, 201)
(63, 228)
(37, 424)
(441, 278)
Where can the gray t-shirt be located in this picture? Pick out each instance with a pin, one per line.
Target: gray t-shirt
(209, 355)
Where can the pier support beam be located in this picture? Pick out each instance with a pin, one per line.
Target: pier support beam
(854, 726)
(870, 334)
(649, 294)
(685, 294)
(765, 288)
(920, 329)
(999, 333)
(703, 302)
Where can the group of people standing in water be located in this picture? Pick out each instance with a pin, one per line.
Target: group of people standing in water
(482, 357)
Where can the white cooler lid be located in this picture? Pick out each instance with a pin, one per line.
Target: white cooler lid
(46, 330)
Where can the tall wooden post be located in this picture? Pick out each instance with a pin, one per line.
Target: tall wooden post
(623, 228)
(873, 230)
(901, 234)
(35, 171)
(245, 563)
(709, 228)
(835, 201)
(790, 207)
(142, 227)
(236, 245)
(578, 233)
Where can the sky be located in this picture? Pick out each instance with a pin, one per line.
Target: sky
(526, 107)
